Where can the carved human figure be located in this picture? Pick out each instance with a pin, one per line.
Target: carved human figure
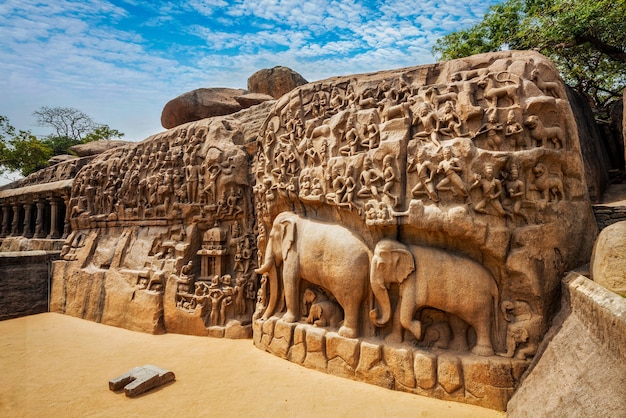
(351, 138)
(370, 180)
(228, 293)
(390, 177)
(492, 128)
(215, 295)
(371, 137)
(428, 119)
(425, 175)
(521, 324)
(513, 130)
(515, 189)
(491, 190)
(451, 167)
(450, 121)
(238, 291)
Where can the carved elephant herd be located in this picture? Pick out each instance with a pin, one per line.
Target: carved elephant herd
(334, 258)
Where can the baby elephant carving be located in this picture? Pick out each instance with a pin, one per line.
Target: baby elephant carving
(325, 313)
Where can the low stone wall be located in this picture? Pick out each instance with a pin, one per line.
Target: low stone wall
(607, 215)
(24, 282)
(463, 377)
(584, 363)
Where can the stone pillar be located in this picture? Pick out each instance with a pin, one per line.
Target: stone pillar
(28, 227)
(39, 230)
(15, 226)
(66, 223)
(5, 220)
(54, 218)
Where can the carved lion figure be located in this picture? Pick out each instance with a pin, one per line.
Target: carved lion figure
(549, 185)
(544, 134)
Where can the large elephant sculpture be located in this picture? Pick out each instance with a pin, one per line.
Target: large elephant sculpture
(431, 277)
(324, 254)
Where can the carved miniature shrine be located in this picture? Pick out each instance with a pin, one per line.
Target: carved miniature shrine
(406, 228)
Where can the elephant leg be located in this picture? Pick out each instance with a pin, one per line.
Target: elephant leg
(407, 310)
(350, 327)
(483, 345)
(459, 333)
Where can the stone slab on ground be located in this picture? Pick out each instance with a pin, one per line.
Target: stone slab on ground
(141, 379)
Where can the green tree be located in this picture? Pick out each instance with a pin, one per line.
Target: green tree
(21, 150)
(586, 39)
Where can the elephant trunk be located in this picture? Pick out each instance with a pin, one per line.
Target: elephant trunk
(269, 268)
(382, 298)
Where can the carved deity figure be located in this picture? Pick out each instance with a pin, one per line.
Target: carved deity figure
(513, 130)
(370, 180)
(492, 128)
(491, 189)
(515, 190)
(390, 177)
(450, 166)
(425, 175)
(428, 119)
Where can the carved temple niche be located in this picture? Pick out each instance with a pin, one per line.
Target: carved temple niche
(460, 184)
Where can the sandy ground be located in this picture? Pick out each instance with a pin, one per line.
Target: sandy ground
(53, 365)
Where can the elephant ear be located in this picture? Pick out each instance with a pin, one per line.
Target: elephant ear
(289, 235)
(404, 264)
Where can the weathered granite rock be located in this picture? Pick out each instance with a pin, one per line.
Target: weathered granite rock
(608, 261)
(199, 104)
(97, 147)
(61, 158)
(583, 362)
(275, 81)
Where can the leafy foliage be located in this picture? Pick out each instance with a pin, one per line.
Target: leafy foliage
(586, 39)
(21, 150)
(24, 152)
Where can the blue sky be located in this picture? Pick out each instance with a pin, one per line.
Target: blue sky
(121, 61)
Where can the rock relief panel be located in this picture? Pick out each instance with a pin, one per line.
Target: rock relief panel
(434, 206)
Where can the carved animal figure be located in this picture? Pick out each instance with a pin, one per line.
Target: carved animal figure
(522, 332)
(324, 254)
(543, 134)
(395, 111)
(550, 186)
(431, 277)
(493, 94)
(325, 313)
(309, 297)
(547, 87)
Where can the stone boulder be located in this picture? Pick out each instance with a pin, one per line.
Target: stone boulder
(61, 158)
(199, 104)
(608, 262)
(275, 81)
(96, 147)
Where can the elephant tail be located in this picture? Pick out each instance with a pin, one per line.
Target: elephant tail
(496, 311)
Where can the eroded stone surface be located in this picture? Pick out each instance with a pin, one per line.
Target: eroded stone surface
(608, 262)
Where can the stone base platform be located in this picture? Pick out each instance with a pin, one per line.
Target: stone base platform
(462, 377)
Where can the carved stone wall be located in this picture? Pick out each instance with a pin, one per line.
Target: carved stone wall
(406, 228)
(461, 184)
(163, 235)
